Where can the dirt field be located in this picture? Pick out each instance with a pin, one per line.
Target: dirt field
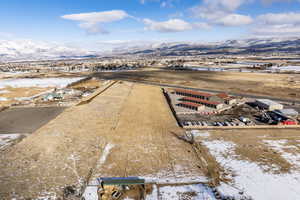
(15, 95)
(285, 85)
(264, 164)
(26, 120)
(125, 131)
(250, 146)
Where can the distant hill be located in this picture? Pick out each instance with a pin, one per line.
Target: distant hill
(24, 50)
(230, 47)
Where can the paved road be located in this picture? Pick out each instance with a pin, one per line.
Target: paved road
(126, 77)
(219, 91)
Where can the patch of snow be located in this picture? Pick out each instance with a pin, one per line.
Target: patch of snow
(193, 192)
(3, 91)
(105, 153)
(38, 82)
(154, 193)
(250, 178)
(91, 191)
(197, 133)
(176, 176)
(286, 68)
(47, 196)
(7, 139)
(281, 147)
(3, 99)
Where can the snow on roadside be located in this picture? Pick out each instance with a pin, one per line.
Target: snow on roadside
(38, 82)
(281, 147)
(250, 177)
(7, 139)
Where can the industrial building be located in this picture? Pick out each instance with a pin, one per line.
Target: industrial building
(211, 104)
(195, 94)
(192, 106)
(227, 99)
(287, 113)
(216, 101)
(268, 104)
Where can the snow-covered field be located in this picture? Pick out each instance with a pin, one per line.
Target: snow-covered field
(250, 178)
(281, 146)
(286, 68)
(38, 82)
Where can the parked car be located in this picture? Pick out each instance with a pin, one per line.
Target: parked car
(227, 123)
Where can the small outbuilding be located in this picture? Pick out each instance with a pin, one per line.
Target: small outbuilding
(268, 104)
(288, 113)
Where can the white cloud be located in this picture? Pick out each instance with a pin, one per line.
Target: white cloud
(222, 12)
(279, 18)
(172, 25)
(234, 20)
(216, 9)
(145, 1)
(276, 1)
(163, 3)
(284, 30)
(278, 24)
(92, 22)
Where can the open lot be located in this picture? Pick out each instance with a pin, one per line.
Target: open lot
(256, 161)
(26, 120)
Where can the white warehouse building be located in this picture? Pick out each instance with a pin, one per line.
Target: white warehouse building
(268, 104)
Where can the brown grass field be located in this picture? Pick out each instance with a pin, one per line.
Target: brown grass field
(134, 120)
(286, 85)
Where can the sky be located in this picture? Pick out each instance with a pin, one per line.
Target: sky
(90, 22)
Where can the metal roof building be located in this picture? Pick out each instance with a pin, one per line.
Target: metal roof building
(268, 104)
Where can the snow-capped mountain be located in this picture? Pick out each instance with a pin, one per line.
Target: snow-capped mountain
(13, 50)
(16, 50)
(246, 46)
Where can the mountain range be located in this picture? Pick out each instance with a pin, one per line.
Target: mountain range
(17, 50)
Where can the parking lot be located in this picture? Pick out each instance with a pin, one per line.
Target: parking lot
(243, 115)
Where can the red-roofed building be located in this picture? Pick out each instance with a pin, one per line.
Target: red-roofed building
(227, 99)
(222, 98)
(190, 105)
(211, 104)
(191, 93)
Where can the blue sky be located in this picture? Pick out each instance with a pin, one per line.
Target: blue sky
(90, 21)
